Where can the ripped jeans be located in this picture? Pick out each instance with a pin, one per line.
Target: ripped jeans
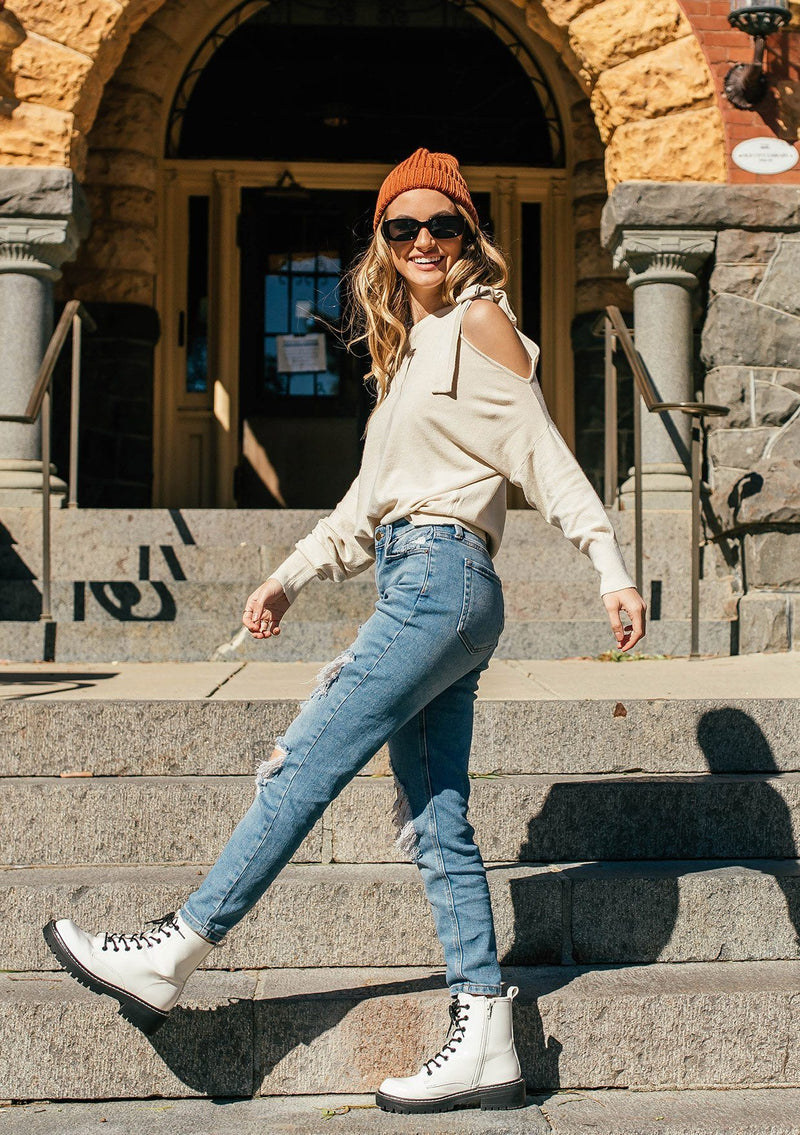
(410, 678)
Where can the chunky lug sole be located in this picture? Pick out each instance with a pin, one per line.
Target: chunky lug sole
(139, 1013)
(499, 1097)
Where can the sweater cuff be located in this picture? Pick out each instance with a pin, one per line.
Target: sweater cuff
(610, 566)
(293, 574)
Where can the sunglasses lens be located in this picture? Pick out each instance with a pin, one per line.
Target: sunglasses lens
(447, 227)
(404, 228)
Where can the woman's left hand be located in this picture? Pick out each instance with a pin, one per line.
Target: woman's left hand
(630, 601)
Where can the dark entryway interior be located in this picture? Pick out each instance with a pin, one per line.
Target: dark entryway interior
(361, 80)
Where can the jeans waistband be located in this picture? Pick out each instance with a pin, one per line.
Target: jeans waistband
(384, 531)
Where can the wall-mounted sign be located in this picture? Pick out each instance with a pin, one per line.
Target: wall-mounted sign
(301, 354)
(765, 155)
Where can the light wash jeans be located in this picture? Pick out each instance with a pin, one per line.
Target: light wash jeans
(410, 678)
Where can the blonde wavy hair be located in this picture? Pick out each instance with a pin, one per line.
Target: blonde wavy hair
(379, 313)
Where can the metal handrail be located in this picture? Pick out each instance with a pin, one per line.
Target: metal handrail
(73, 317)
(617, 334)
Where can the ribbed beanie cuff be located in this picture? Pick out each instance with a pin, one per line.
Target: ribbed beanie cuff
(424, 170)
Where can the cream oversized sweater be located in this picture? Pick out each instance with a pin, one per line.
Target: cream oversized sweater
(453, 428)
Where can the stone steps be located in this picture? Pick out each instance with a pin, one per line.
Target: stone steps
(170, 585)
(534, 818)
(773, 1111)
(300, 1032)
(220, 602)
(339, 915)
(301, 641)
(226, 735)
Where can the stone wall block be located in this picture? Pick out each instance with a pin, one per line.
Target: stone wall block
(114, 287)
(48, 73)
(594, 295)
(591, 259)
(673, 77)
(616, 30)
(768, 492)
(781, 285)
(735, 246)
(643, 204)
(763, 623)
(742, 332)
(688, 146)
(130, 205)
(736, 279)
(589, 178)
(563, 12)
(80, 24)
(586, 214)
(585, 135)
(788, 378)
(538, 22)
(129, 120)
(772, 559)
(786, 442)
(753, 400)
(739, 447)
(151, 64)
(183, 20)
(121, 168)
(111, 245)
(36, 136)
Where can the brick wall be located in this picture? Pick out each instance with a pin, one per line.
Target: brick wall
(779, 114)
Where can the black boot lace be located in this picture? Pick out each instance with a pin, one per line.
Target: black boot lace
(458, 1019)
(164, 925)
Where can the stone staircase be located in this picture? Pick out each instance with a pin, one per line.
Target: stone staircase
(642, 855)
(157, 585)
(640, 824)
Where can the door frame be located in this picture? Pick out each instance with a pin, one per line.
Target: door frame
(196, 436)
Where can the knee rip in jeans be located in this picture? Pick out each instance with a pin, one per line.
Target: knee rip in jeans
(329, 673)
(407, 840)
(267, 769)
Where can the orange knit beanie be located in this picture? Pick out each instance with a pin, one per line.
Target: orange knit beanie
(424, 170)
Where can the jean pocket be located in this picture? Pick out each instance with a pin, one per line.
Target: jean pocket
(481, 620)
(409, 542)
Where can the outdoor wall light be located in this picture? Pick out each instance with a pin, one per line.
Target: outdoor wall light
(745, 83)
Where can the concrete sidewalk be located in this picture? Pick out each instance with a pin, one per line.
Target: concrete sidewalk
(748, 676)
(753, 1112)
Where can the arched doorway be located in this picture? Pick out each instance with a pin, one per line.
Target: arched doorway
(281, 128)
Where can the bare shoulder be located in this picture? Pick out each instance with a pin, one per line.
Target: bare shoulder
(488, 328)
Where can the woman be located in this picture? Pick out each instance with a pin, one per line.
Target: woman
(458, 413)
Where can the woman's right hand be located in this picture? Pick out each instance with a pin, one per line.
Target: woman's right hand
(264, 610)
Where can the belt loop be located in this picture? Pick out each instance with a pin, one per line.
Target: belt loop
(459, 531)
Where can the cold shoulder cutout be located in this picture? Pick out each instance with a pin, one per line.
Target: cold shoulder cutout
(488, 329)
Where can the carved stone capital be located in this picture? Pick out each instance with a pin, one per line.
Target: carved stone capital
(37, 245)
(663, 256)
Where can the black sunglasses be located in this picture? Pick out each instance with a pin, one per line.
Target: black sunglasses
(444, 226)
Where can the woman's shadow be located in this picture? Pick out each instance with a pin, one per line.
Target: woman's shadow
(644, 839)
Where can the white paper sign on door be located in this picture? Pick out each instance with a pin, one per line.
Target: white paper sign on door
(301, 354)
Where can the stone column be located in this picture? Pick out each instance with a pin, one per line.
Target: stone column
(43, 216)
(663, 267)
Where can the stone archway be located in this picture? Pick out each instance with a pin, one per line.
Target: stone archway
(95, 79)
(651, 91)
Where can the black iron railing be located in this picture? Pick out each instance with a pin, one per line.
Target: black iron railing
(73, 318)
(618, 336)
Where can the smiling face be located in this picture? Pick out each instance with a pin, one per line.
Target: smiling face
(424, 262)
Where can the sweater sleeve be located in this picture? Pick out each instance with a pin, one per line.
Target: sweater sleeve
(331, 551)
(521, 441)
(554, 482)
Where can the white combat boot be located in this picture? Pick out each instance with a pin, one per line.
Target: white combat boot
(476, 1066)
(145, 972)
